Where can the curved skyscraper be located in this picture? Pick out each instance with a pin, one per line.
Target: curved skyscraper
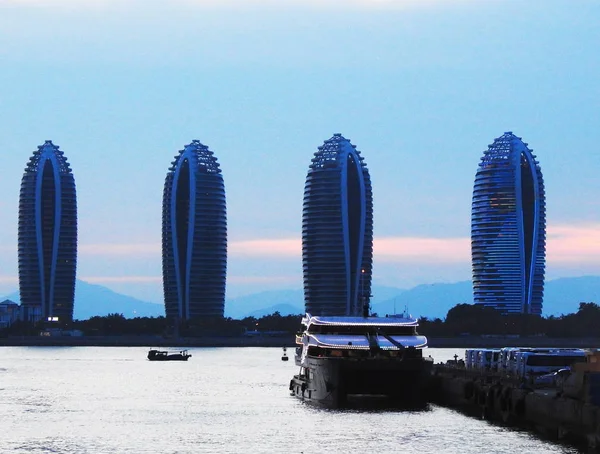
(47, 236)
(194, 235)
(508, 228)
(337, 231)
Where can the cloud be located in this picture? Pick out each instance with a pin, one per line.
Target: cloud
(158, 279)
(263, 279)
(12, 280)
(111, 249)
(290, 247)
(565, 244)
(447, 250)
(571, 244)
(122, 279)
(420, 250)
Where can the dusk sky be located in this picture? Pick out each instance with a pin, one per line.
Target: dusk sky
(420, 87)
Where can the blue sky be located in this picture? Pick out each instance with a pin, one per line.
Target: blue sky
(420, 87)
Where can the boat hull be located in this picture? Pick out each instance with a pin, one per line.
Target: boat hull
(170, 358)
(334, 382)
(156, 355)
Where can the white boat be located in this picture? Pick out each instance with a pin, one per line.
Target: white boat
(342, 357)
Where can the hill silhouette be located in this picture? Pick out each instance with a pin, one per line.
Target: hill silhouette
(92, 299)
(561, 296)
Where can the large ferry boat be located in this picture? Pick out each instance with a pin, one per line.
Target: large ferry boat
(343, 358)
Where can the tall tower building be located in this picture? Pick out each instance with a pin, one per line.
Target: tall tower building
(47, 236)
(194, 235)
(508, 228)
(337, 231)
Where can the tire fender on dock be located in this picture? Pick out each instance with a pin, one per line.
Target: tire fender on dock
(506, 404)
(520, 407)
(469, 390)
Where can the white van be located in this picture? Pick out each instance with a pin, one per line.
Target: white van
(468, 362)
(487, 359)
(538, 363)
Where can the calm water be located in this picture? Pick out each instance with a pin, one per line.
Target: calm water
(223, 400)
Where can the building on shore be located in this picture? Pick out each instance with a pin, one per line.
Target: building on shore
(194, 235)
(508, 228)
(47, 237)
(337, 231)
(9, 313)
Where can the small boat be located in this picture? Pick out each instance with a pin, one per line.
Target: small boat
(284, 357)
(159, 355)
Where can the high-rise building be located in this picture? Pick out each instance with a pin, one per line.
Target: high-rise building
(508, 228)
(194, 235)
(47, 236)
(337, 231)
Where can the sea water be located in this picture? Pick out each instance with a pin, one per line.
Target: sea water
(223, 400)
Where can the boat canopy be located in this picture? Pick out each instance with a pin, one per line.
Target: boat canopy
(354, 342)
(390, 321)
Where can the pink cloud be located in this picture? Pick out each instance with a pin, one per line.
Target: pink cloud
(446, 250)
(121, 279)
(565, 244)
(263, 279)
(573, 244)
(111, 249)
(421, 250)
(13, 280)
(290, 247)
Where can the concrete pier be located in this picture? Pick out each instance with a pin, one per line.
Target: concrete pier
(549, 412)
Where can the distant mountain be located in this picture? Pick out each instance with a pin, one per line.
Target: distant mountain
(92, 299)
(283, 309)
(287, 302)
(427, 300)
(259, 303)
(563, 295)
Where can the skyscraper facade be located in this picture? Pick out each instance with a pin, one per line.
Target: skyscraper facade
(337, 231)
(508, 228)
(194, 235)
(47, 236)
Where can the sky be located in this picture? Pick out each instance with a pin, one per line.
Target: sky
(420, 87)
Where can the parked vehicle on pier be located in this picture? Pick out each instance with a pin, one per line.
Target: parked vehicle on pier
(504, 360)
(513, 355)
(469, 358)
(487, 359)
(552, 380)
(533, 364)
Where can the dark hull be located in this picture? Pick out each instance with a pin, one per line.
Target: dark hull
(335, 382)
(156, 355)
(170, 358)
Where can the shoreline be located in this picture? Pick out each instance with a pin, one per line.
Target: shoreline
(280, 341)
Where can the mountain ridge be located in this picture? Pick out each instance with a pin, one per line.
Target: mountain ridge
(562, 296)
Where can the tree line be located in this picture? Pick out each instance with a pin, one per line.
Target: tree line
(117, 325)
(461, 320)
(475, 319)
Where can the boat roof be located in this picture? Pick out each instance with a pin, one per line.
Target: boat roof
(359, 321)
(351, 342)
